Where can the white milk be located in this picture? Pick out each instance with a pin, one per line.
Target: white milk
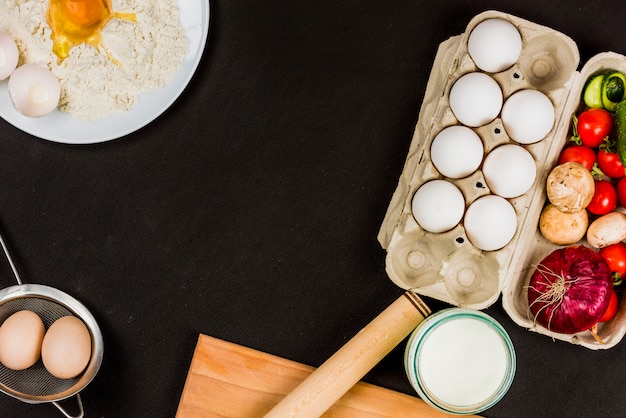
(463, 361)
(460, 360)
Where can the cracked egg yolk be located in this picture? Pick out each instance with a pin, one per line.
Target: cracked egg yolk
(75, 22)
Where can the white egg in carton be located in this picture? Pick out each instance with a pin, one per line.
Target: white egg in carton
(443, 256)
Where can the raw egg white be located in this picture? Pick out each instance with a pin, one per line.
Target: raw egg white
(494, 45)
(490, 222)
(34, 90)
(9, 55)
(438, 206)
(21, 336)
(66, 347)
(528, 116)
(509, 170)
(456, 151)
(475, 99)
(75, 22)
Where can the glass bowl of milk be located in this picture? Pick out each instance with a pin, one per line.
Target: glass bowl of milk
(460, 361)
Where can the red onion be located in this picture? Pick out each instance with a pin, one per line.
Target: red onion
(570, 290)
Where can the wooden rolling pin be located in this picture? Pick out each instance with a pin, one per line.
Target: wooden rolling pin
(318, 392)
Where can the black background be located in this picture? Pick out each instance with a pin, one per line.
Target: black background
(249, 211)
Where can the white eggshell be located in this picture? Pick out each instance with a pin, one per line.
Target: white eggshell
(438, 206)
(494, 45)
(456, 151)
(21, 335)
(34, 90)
(528, 116)
(9, 55)
(490, 222)
(475, 99)
(66, 347)
(509, 170)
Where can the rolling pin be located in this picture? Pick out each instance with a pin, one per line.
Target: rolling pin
(318, 392)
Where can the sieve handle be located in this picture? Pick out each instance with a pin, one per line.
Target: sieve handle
(346, 367)
(5, 249)
(80, 408)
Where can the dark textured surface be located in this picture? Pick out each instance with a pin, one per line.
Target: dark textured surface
(249, 210)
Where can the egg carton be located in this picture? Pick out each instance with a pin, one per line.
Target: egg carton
(446, 266)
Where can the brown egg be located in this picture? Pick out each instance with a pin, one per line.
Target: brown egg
(66, 347)
(21, 335)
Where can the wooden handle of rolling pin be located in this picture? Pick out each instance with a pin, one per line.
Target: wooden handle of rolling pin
(318, 392)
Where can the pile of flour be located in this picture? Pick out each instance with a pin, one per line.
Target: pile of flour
(137, 56)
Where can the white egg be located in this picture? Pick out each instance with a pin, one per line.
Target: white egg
(9, 55)
(490, 222)
(438, 206)
(34, 90)
(456, 151)
(494, 45)
(509, 170)
(528, 116)
(475, 99)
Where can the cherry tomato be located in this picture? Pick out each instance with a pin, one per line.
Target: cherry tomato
(615, 257)
(610, 164)
(580, 154)
(604, 199)
(621, 191)
(593, 126)
(611, 310)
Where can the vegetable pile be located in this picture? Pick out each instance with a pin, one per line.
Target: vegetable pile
(576, 287)
(587, 189)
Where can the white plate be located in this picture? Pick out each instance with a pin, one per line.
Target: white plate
(64, 128)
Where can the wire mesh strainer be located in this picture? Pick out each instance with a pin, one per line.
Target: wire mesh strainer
(36, 384)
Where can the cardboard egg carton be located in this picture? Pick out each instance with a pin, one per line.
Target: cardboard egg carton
(446, 266)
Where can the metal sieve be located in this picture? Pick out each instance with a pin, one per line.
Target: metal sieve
(36, 384)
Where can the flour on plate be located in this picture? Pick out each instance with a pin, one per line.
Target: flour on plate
(137, 56)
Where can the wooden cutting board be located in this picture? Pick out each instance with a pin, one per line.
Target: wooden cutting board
(228, 380)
